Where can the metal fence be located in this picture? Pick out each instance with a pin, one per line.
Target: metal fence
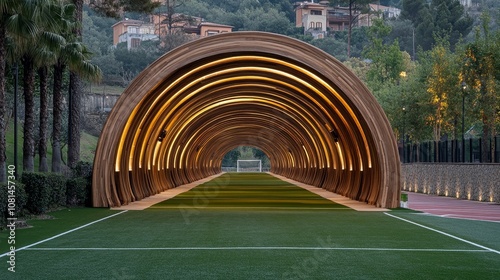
(468, 150)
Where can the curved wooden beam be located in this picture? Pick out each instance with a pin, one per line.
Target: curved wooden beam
(312, 116)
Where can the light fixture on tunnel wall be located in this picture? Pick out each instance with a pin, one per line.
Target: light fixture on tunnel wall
(334, 135)
(162, 135)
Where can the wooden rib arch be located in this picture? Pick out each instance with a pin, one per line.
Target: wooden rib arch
(312, 116)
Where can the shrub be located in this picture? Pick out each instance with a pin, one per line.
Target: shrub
(77, 192)
(19, 203)
(83, 169)
(37, 191)
(57, 186)
(44, 191)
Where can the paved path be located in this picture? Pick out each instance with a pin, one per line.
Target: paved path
(337, 198)
(454, 208)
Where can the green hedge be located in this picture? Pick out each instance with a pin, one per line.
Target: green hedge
(82, 171)
(38, 193)
(19, 201)
(45, 191)
(77, 192)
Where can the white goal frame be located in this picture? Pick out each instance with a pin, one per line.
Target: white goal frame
(238, 169)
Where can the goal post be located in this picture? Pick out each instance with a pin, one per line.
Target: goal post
(249, 165)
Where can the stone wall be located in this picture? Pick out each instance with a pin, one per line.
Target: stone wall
(479, 182)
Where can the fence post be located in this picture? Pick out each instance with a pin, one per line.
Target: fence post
(497, 152)
(471, 147)
(446, 151)
(480, 140)
(436, 151)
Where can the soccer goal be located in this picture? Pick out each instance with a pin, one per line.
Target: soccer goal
(249, 165)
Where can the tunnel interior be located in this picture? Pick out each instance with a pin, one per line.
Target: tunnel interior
(311, 116)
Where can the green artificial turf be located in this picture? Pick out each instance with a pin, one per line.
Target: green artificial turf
(220, 230)
(248, 190)
(53, 223)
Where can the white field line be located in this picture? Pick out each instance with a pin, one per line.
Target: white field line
(454, 216)
(444, 233)
(258, 248)
(64, 233)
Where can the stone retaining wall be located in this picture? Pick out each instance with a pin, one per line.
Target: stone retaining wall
(479, 182)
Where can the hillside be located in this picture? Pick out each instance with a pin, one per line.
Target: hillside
(88, 144)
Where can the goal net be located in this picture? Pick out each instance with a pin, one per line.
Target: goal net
(249, 165)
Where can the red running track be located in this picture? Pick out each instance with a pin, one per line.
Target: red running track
(454, 208)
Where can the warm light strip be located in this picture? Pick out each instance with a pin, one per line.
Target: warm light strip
(340, 155)
(175, 157)
(291, 157)
(157, 146)
(307, 155)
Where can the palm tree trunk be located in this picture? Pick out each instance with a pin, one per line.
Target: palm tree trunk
(75, 98)
(29, 115)
(44, 120)
(57, 109)
(74, 120)
(3, 125)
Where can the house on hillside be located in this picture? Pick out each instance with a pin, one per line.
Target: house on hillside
(319, 18)
(312, 16)
(133, 32)
(378, 11)
(186, 24)
(204, 29)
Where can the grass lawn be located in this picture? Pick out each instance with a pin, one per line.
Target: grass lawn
(253, 226)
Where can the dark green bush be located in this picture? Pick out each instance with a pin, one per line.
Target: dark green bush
(19, 203)
(83, 169)
(57, 185)
(38, 192)
(45, 191)
(77, 192)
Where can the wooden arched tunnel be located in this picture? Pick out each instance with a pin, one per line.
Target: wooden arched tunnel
(314, 119)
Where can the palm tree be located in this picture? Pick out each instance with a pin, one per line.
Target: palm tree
(44, 118)
(18, 23)
(63, 23)
(34, 51)
(72, 55)
(8, 10)
(75, 97)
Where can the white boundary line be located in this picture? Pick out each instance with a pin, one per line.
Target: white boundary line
(64, 233)
(258, 248)
(453, 216)
(444, 233)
